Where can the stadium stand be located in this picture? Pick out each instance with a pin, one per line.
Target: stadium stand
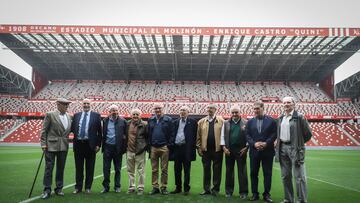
(27, 132)
(329, 134)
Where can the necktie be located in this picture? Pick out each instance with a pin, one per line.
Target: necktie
(83, 126)
(259, 123)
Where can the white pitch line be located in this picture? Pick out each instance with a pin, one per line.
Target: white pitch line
(65, 187)
(330, 183)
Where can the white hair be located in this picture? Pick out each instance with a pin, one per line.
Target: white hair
(292, 99)
(86, 100)
(211, 106)
(157, 105)
(235, 107)
(113, 106)
(135, 111)
(186, 108)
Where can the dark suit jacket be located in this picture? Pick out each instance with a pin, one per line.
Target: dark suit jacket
(190, 131)
(267, 134)
(167, 128)
(120, 134)
(94, 131)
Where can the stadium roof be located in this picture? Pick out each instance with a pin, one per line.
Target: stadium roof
(12, 83)
(350, 87)
(181, 53)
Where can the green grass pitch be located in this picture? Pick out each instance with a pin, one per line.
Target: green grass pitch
(333, 176)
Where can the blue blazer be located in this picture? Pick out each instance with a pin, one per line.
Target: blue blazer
(267, 134)
(190, 132)
(94, 131)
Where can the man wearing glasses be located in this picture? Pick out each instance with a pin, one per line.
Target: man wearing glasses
(233, 142)
(55, 143)
(137, 141)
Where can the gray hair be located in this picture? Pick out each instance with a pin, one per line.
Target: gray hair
(138, 111)
(113, 106)
(234, 107)
(186, 108)
(211, 106)
(292, 99)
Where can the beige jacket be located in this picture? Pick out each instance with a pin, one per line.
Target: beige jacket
(202, 133)
(53, 133)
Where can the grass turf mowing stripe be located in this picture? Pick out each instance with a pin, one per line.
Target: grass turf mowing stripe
(330, 183)
(65, 187)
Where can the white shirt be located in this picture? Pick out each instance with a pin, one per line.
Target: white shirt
(64, 120)
(285, 127)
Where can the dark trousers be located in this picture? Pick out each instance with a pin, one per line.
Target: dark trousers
(266, 160)
(214, 158)
(83, 153)
(241, 170)
(180, 163)
(110, 154)
(50, 158)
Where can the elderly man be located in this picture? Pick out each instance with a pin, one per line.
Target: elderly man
(233, 142)
(137, 137)
(184, 151)
(86, 127)
(293, 132)
(54, 142)
(208, 145)
(261, 134)
(114, 146)
(160, 138)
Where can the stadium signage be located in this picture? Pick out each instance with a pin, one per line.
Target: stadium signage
(148, 30)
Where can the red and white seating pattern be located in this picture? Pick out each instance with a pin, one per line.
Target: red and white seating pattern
(196, 92)
(252, 92)
(55, 90)
(167, 92)
(139, 91)
(11, 104)
(223, 92)
(329, 134)
(112, 91)
(309, 92)
(279, 90)
(27, 132)
(83, 90)
(6, 125)
(353, 130)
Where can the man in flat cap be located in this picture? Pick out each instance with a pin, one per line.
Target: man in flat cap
(54, 142)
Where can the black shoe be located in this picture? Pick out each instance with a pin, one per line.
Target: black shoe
(175, 191)
(205, 193)
(154, 191)
(254, 198)
(268, 199)
(45, 195)
(59, 193)
(164, 191)
(104, 190)
(186, 193)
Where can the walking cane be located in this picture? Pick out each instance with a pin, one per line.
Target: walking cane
(37, 172)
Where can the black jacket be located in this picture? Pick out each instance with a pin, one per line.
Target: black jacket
(120, 134)
(190, 139)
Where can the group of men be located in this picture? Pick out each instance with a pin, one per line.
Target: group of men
(167, 139)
